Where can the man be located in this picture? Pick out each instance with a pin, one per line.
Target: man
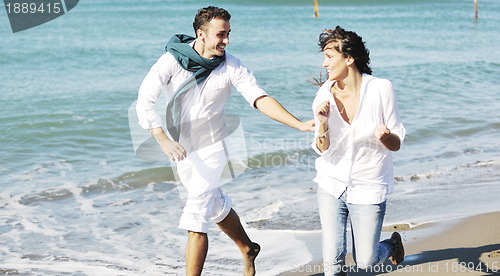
(197, 75)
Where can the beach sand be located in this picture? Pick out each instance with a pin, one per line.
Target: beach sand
(457, 246)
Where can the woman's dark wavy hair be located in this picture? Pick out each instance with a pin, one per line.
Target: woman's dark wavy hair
(349, 44)
(204, 15)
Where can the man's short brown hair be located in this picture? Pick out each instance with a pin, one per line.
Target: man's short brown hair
(204, 16)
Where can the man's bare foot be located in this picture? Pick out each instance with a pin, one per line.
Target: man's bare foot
(250, 260)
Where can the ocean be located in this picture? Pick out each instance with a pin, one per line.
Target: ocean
(76, 200)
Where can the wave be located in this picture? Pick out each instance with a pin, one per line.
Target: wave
(160, 178)
(420, 177)
(164, 179)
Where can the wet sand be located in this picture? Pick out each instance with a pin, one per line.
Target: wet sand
(468, 245)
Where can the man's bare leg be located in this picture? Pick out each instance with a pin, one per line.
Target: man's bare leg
(231, 225)
(196, 253)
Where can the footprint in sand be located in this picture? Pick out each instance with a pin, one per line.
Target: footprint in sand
(401, 227)
(494, 254)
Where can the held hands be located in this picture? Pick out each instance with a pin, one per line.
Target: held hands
(322, 111)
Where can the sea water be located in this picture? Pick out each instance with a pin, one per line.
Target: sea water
(75, 199)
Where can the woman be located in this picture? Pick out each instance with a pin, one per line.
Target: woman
(357, 127)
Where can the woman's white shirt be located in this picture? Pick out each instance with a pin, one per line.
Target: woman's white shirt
(356, 161)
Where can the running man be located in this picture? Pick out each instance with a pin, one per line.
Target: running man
(197, 75)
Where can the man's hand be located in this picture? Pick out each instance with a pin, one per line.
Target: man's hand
(172, 149)
(307, 125)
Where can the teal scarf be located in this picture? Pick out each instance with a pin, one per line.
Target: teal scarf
(189, 60)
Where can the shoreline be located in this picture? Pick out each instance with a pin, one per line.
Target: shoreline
(460, 245)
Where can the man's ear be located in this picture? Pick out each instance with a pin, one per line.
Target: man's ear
(201, 34)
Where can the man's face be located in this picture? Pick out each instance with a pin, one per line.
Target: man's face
(215, 37)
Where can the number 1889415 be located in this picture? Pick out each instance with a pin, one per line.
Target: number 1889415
(33, 8)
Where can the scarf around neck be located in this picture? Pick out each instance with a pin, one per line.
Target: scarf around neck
(179, 46)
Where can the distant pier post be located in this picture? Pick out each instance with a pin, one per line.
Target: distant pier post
(316, 8)
(475, 9)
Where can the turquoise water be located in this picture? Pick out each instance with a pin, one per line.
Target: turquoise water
(74, 199)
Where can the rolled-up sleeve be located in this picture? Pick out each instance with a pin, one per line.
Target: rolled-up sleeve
(244, 81)
(391, 111)
(151, 89)
(328, 152)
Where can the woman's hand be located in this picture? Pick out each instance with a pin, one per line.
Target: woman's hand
(381, 132)
(322, 111)
(390, 140)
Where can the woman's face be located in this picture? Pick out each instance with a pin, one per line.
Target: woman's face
(335, 64)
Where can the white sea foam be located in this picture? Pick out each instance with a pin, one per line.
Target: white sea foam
(265, 212)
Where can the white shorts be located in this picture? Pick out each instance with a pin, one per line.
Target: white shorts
(212, 206)
(200, 173)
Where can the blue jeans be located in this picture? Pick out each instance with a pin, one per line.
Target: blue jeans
(366, 225)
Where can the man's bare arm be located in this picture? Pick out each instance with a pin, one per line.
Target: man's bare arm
(274, 110)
